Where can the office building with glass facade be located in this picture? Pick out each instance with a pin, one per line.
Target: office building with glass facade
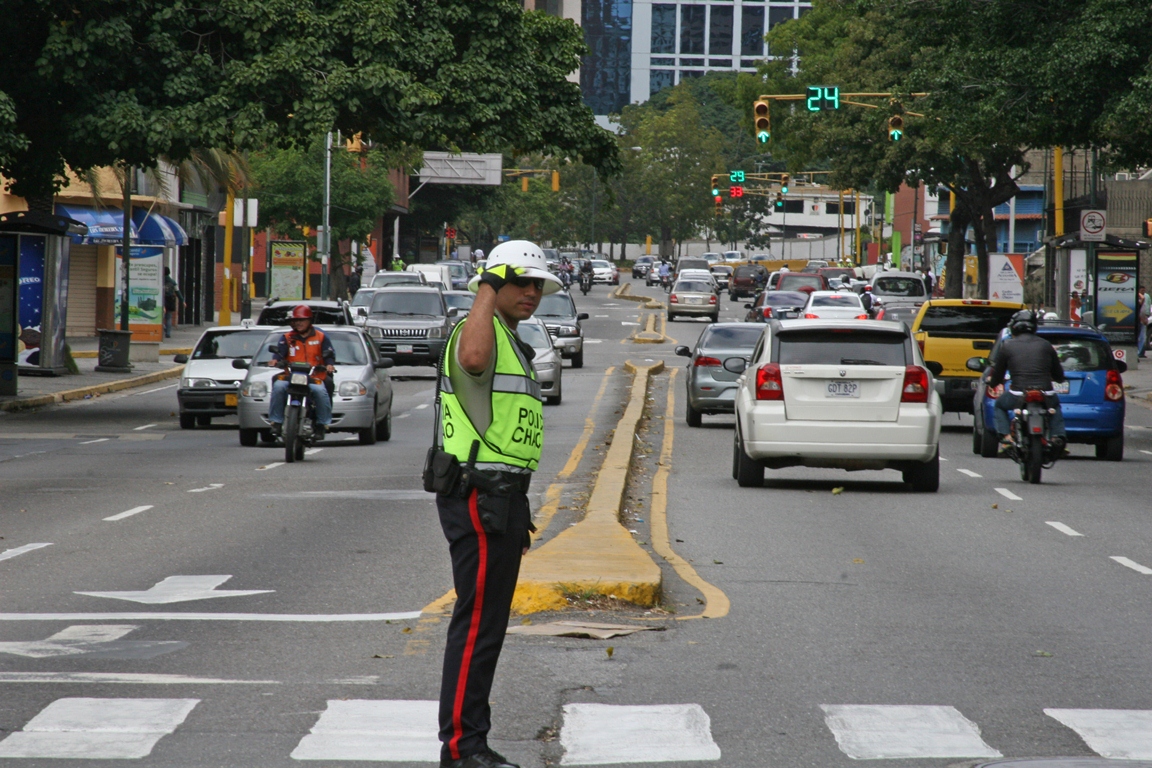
(641, 46)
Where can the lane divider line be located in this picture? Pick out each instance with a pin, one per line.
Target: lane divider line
(422, 406)
(968, 472)
(146, 426)
(129, 513)
(97, 440)
(1133, 565)
(1063, 528)
(716, 603)
(311, 451)
(1008, 494)
(209, 487)
(11, 553)
(273, 465)
(1147, 452)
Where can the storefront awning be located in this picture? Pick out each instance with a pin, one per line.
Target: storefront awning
(156, 229)
(105, 227)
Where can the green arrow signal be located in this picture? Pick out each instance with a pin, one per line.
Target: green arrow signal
(763, 137)
(895, 134)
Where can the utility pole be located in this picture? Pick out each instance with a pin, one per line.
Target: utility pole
(326, 253)
(126, 247)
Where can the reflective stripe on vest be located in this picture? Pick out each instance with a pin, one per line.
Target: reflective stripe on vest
(514, 438)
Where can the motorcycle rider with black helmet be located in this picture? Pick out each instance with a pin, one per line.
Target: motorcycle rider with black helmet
(1032, 363)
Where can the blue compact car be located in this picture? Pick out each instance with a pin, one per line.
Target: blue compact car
(1092, 399)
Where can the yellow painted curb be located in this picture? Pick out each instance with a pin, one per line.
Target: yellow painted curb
(96, 389)
(649, 335)
(597, 554)
(625, 292)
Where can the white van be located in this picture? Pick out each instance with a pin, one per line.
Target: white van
(436, 274)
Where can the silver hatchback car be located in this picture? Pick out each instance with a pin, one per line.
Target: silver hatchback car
(711, 388)
(362, 397)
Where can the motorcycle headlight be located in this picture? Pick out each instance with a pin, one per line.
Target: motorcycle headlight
(198, 383)
(569, 330)
(352, 389)
(257, 389)
(375, 332)
(435, 333)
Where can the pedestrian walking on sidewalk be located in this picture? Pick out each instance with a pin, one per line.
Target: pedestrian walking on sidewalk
(1143, 313)
(173, 301)
(491, 428)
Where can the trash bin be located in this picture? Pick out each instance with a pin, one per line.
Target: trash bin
(113, 354)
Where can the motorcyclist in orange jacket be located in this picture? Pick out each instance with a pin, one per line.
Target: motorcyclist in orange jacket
(303, 344)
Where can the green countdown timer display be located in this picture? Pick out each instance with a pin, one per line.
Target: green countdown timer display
(823, 97)
(736, 177)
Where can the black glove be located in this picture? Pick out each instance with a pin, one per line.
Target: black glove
(498, 276)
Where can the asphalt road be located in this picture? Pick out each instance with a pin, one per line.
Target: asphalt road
(928, 630)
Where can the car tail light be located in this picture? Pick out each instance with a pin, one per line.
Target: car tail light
(673, 300)
(915, 385)
(865, 316)
(1033, 396)
(707, 362)
(1114, 386)
(994, 392)
(767, 312)
(980, 302)
(769, 385)
(810, 316)
(712, 300)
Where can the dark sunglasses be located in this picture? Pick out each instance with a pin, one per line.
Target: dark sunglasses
(524, 282)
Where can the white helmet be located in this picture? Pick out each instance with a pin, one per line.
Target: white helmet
(526, 257)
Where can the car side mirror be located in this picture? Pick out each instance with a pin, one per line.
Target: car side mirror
(384, 362)
(453, 311)
(180, 359)
(934, 366)
(978, 364)
(581, 316)
(683, 351)
(240, 363)
(1121, 366)
(735, 365)
(272, 348)
(362, 311)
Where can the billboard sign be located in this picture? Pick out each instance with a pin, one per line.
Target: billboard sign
(1116, 279)
(288, 266)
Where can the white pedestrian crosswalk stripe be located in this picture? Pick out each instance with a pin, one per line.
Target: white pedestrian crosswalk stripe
(605, 734)
(886, 732)
(381, 730)
(1121, 734)
(98, 729)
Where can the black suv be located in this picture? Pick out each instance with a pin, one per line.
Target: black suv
(410, 324)
(277, 312)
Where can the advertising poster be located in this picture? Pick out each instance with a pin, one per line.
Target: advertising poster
(1116, 275)
(145, 292)
(31, 300)
(1006, 277)
(286, 269)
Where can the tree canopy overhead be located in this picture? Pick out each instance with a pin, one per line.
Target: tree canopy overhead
(86, 83)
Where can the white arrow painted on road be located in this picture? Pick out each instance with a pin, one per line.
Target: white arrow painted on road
(93, 639)
(209, 487)
(180, 589)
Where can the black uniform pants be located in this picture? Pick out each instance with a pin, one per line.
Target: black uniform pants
(484, 570)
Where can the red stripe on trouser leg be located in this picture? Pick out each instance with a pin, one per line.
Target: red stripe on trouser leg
(473, 629)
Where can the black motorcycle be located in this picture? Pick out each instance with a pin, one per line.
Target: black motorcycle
(299, 413)
(585, 282)
(1030, 426)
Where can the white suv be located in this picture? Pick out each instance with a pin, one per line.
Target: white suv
(847, 394)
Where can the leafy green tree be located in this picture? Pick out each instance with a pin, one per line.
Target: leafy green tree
(90, 84)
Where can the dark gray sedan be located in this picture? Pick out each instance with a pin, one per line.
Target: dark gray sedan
(711, 389)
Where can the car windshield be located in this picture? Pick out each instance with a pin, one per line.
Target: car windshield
(731, 336)
(380, 279)
(534, 335)
(459, 300)
(278, 315)
(721, 270)
(407, 303)
(226, 345)
(898, 286)
(966, 321)
(693, 286)
(363, 297)
(784, 299)
(348, 346)
(840, 300)
(795, 280)
(455, 268)
(556, 305)
(1078, 353)
(747, 271)
(841, 346)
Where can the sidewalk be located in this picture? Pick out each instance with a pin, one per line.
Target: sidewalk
(38, 391)
(1138, 383)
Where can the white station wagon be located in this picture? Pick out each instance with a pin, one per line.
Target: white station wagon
(846, 394)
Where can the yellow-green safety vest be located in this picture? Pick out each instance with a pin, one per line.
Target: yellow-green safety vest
(514, 438)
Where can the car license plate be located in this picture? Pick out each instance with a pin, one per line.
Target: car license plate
(231, 401)
(695, 300)
(403, 349)
(843, 389)
(1061, 387)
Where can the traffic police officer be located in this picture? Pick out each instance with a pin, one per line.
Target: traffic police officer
(491, 420)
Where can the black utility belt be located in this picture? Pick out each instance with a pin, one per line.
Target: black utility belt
(444, 474)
